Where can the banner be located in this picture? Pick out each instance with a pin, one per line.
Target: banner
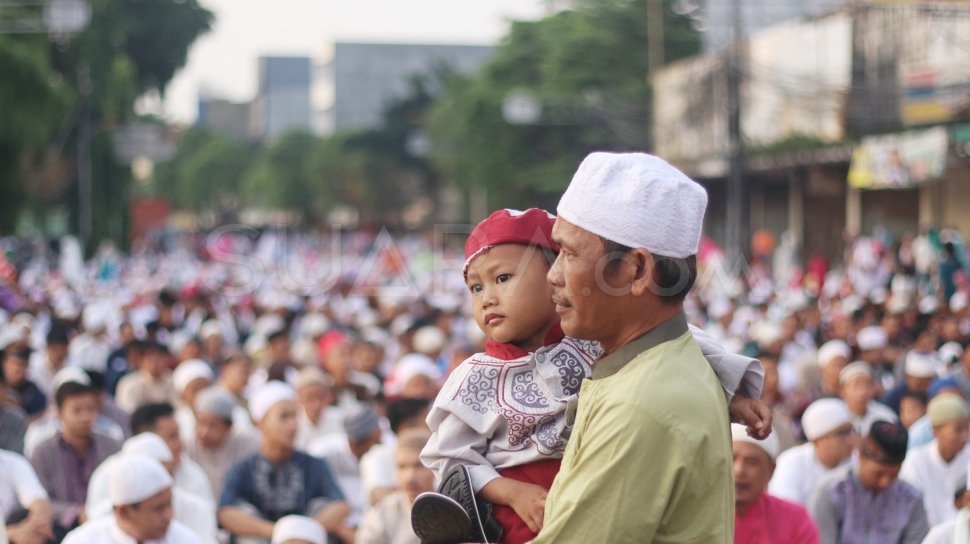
(899, 161)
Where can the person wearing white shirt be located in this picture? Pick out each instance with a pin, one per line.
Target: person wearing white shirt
(317, 418)
(858, 390)
(44, 364)
(140, 490)
(343, 452)
(196, 513)
(938, 468)
(828, 426)
(21, 490)
(189, 378)
(160, 419)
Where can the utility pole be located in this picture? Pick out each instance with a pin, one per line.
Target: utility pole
(738, 201)
(655, 35)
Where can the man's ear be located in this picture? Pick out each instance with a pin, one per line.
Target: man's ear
(642, 262)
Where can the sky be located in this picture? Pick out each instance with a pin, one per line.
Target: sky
(222, 63)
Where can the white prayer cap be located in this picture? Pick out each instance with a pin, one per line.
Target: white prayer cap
(409, 366)
(921, 365)
(209, 329)
(267, 396)
(770, 445)
(360, 423)
(69, 374)
(950, 352)
(853, 370)
(637, 200)
(135, 478)
(428, 340)
(10, 334)
(217, 401)
(832, 349)
(298, 528)
(315, 324)
(766, 333)
(928, 305)
(375, 335)
(872, 337)
(878, 296)
(312, 375)
(94, 319)
(897, 304)
(267, 324)
(824, 416)
(189, 371)
(149, 445)
(959, 301)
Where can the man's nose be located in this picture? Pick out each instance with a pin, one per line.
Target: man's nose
(554, 276)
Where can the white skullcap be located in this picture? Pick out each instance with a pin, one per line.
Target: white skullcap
(824, 416)
(428, 340)
(267, 396)
(149, 445)
(928, 305)
(267, 324)
(770, 445)
(872, 337)
(189, 371)
(946, 408)
(375, 335)
(360, 423)
(879, 295)
(10, 334)
(94, 318)
(897, 304)
(766, 333)
(921, 365)
(135, 478)
(637, 200)
(852, 304)
(409, 366)
(853, 370)
(950, 352)
(312, 375)
(298, 528)
(217, 401)
(959, 301)
(72, 374)
(209, 329)
(832, 349)
(315, 324)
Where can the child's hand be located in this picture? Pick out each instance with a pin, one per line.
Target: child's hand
(529, 502)
(753, 413)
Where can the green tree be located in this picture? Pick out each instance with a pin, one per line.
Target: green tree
(587, 68)
(206, 173)
(49, 90)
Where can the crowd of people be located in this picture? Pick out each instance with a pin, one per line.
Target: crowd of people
(276, 387)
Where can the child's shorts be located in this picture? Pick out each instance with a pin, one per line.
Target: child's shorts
(541, 473)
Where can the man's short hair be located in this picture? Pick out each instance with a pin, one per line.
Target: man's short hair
(144, 418)
(886, 443)
(673, 277)
(401, 410)
(58, 336)
(70, 390)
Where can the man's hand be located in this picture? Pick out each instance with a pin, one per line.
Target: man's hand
(753, 413)
(333, 516)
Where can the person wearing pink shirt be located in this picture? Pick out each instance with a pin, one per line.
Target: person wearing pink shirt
(760, 518)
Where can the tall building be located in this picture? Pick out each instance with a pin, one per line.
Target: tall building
(224, 117)
(282, 100)
(353, 86)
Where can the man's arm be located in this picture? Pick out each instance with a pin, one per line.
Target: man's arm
(917, 527)
(241, 523)
(236, 519)
(826, 515)
(739, 375)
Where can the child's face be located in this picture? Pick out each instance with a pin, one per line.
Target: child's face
(511, 299)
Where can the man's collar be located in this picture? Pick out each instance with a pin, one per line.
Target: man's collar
(673, 328)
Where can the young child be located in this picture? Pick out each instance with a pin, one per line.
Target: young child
(501, 421)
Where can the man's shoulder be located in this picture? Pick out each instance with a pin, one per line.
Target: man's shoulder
(795, 454)
(785, 508)
(90, 531)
